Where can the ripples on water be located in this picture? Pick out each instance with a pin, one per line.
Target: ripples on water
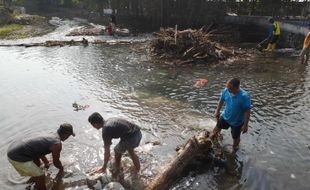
(38, 86)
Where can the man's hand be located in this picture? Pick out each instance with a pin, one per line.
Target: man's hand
(218, 109)
(47, 165)
(46, 162)
(101, 170)
(217, 114)
(244, 128)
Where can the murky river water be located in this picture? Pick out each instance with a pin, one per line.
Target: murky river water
(39, 85)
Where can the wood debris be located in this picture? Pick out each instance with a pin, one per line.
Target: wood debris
(188, 46)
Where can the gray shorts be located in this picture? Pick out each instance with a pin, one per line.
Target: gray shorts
(128, 143)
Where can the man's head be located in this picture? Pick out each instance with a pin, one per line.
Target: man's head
(96, 120)
(233, 86)
(271, 20)
(64, 131)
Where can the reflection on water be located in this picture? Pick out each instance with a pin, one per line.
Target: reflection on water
(39, 85)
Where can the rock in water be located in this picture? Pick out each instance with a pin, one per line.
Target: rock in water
(95, 181)
(97, 186)
(113, 186)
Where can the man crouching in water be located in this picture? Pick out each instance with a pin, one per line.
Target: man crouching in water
(129, 134)
(25, 154)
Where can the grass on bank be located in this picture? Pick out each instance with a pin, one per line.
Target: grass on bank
(8, 29)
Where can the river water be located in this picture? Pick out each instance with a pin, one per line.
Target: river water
(39, 85)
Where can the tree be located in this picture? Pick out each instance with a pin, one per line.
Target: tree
(7, 3)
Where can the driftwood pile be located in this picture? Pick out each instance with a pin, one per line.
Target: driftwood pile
(188, 46)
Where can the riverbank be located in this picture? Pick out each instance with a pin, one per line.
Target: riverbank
(17, 26)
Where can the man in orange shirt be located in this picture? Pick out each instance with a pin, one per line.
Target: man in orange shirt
(306, 49)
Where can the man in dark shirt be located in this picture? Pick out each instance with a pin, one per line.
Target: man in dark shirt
(129, 134)
(26, 154)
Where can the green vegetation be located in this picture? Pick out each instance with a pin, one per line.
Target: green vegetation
(9, 29)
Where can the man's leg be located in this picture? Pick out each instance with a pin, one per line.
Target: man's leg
(236, 144)
(307, 57)
(221, 124)
(273, 46)
(268, 47)
(302, 56)
(235, 133)
(118, 157)
(134, 158)
(40, 182)
(302, 60)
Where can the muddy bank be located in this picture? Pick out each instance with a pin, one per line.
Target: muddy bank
(23, 25)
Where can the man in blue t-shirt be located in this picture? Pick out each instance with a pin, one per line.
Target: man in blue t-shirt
(236, 113)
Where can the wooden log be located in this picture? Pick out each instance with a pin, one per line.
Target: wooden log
(84, 42)
(197, 145)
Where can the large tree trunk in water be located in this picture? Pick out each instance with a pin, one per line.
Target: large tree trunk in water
(197, 145)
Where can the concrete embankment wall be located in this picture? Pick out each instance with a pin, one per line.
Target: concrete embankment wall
(292, 34)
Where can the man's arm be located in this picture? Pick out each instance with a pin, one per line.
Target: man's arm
(56, 149)
(45, 161)
(307, 41)
(218, 109)
(245, 126)
(106, 157)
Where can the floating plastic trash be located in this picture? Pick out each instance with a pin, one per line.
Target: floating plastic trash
(78, 107)
(200, 83)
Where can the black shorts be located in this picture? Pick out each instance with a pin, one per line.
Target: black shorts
(235, 130)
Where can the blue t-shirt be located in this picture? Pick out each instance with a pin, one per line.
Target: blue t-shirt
(235, 106)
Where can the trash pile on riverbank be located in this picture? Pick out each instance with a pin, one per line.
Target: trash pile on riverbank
(188, 46)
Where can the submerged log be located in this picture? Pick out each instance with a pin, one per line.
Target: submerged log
(197, 146)
(53, 43)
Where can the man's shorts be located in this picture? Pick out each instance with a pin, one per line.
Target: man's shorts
(128, 143)
(27, 168)
(235, 130)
